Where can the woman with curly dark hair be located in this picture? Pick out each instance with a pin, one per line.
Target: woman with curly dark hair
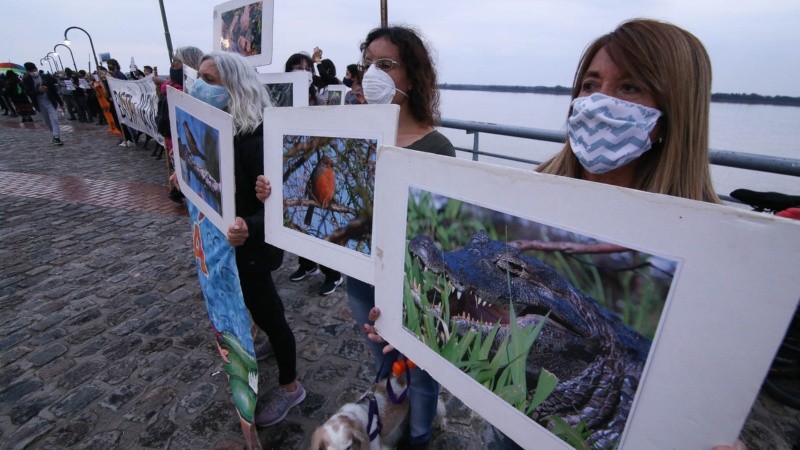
(397, 68)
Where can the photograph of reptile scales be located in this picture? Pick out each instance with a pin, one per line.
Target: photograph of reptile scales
(713, 344)
(556, 323)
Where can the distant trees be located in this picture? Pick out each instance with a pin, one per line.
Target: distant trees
(752, 99)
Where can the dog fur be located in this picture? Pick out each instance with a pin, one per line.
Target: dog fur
(347, 428)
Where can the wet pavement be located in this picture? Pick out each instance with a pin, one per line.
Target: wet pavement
(105, 340)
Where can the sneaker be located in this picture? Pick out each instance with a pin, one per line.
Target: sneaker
(301, 273)
(279, 402)
(330, 284)
(130, 144)
(122, 144)
(263, 348)
(57, 141)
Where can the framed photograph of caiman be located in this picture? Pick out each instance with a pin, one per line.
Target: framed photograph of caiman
(202, 140)
(245, 27)
(576, 311)
(320, 161)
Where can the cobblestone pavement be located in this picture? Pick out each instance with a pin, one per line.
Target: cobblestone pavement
(105, 340)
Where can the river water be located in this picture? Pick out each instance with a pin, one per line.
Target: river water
(760, 129)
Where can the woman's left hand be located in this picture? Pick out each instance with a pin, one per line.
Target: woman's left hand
(237, 232)
(263, 188)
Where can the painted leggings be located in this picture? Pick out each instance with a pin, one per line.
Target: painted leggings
(266, 308)
(423, 393)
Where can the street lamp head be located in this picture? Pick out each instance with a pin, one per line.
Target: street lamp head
(66, 41)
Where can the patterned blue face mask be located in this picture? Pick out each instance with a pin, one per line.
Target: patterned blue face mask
(606, 133)
(212, 94)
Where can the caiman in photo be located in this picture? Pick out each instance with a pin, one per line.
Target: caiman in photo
(597, 358)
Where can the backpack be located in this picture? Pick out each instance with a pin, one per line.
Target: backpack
(162, 117)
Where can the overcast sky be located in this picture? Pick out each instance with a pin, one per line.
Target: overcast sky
(753, 45)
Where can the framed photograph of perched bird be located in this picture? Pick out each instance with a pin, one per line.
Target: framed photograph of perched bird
(320, 162)
(571, 313)
(202, 143)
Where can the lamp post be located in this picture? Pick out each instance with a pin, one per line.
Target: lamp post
(55, 63)
(94, 53)
(166, 30)
(48, 63)
(70, 54)
(54, 60)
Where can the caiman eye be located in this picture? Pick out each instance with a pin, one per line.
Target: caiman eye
(514, 267)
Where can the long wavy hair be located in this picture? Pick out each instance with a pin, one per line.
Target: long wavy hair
(248, 95)
(423, 97)
(672, 64)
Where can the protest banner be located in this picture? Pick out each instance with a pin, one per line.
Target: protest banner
(136, 102)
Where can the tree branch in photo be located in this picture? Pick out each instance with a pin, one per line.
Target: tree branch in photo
(568, 247)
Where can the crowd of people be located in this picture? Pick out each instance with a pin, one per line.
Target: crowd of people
(654, 72)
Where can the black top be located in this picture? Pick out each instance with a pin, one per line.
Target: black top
(434, 142)
(248, 156)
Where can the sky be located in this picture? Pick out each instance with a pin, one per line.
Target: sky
(752, 45)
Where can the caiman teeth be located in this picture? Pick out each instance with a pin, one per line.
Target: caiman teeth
(458, 295)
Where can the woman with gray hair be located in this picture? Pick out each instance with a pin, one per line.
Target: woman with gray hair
(226, 81)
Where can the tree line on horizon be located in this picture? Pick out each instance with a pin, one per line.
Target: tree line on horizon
(750, 99)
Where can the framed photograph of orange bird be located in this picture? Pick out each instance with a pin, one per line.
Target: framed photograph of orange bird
(202, 142)
(245, 27)
(573, 314)
(320, 162)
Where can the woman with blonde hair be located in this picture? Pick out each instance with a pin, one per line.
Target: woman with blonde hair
(663, 68)
(226, 80)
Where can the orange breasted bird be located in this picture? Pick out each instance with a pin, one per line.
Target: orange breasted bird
(321, 186)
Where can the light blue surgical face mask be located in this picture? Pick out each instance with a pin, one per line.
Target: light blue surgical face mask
(212, 94)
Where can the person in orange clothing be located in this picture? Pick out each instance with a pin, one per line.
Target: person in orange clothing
(102, 98)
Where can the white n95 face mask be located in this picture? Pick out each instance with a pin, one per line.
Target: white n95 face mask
(606, 133)
(378, 86)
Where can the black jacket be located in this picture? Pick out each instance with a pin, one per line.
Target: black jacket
(248, 157)
(52, 89)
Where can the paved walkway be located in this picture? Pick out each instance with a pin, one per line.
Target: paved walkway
(105, 340)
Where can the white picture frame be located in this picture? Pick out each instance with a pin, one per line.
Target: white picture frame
(718, 332)
(204, 168)
(232, 33)
(336, 92)
(189, 77)
(325, 131)
(295, 84)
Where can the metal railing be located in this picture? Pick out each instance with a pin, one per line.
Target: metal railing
(727, 158)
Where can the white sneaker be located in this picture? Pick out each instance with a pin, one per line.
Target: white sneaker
(130, 144)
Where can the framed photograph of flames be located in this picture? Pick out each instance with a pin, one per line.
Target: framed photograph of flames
(320, 161)
(202, 143)
(567, 311)
(245, 27)
(287, 88)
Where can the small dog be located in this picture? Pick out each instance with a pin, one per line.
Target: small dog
(347, 428)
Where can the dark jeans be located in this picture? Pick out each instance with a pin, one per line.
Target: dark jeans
(266, 308)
